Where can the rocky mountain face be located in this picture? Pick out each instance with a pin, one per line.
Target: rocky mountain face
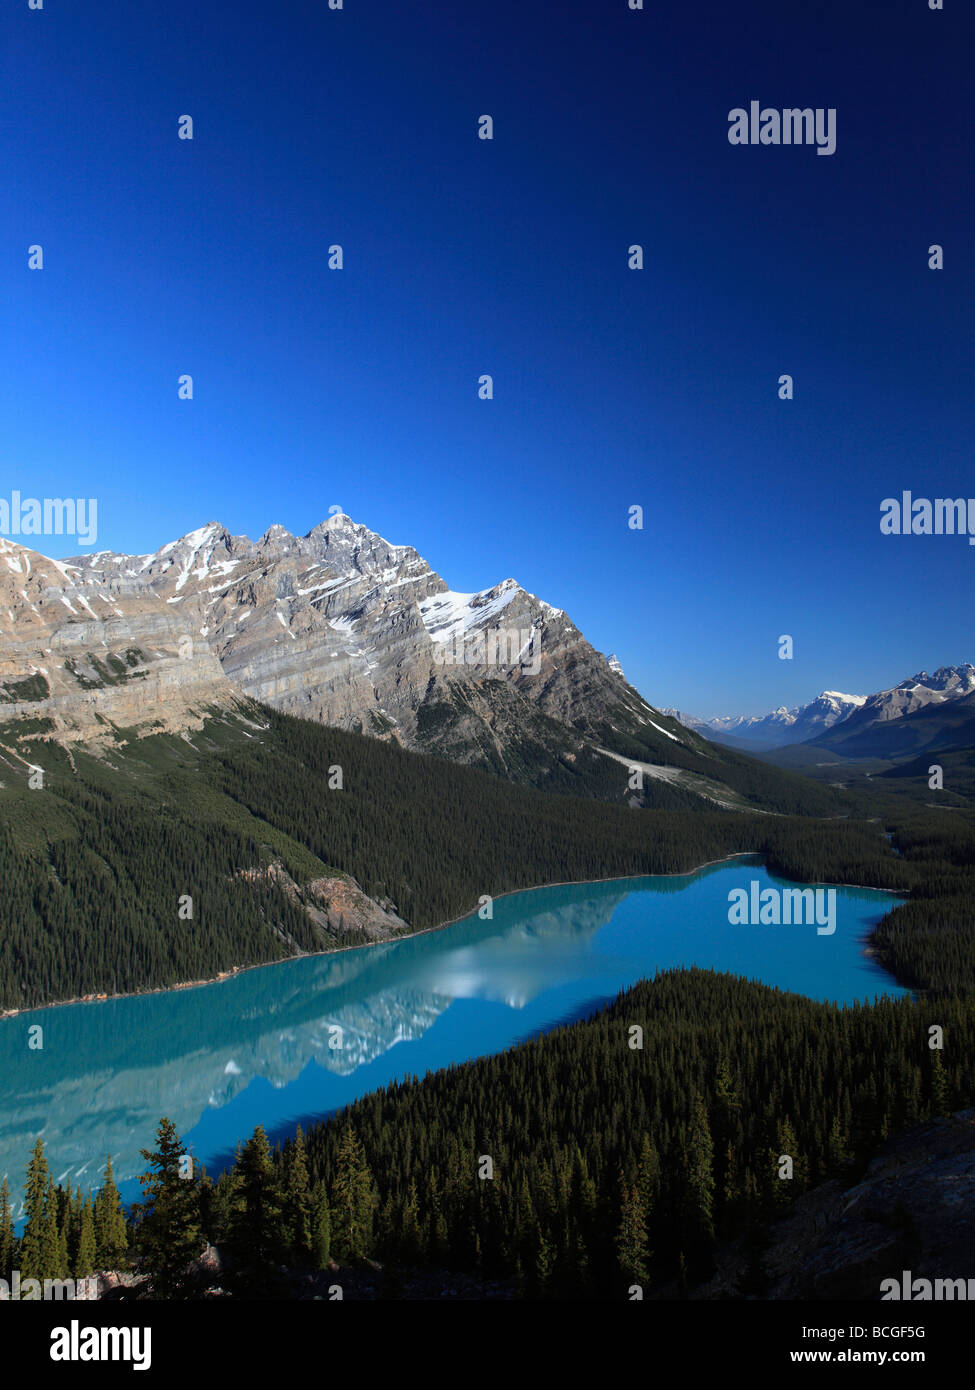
(337, 626)
(922, 712)
(80, 652)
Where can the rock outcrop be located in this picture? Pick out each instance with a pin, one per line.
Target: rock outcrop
(913, 1210)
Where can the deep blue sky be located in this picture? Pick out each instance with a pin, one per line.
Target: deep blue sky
(357, 388)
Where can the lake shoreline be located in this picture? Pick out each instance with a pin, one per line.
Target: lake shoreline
(236, 970)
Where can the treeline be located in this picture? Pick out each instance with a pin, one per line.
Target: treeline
(617, 1150)
(139, 898)
(929, 941)
(265, 1213)
(67, 1235)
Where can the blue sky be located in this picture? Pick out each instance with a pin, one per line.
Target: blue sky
(358, 388)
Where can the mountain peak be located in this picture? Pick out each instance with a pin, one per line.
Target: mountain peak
(335, 521)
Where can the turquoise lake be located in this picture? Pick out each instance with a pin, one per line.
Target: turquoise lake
(221, 1058)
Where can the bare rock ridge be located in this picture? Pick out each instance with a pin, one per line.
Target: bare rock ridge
(81, 652)
(338, 626)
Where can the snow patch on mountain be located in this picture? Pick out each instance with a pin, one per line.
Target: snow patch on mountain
(449, 613)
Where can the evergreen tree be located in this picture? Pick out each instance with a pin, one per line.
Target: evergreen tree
(222, 1203)
(411, 1243)
(321, 1228)
(837, 1149)
(7, 1237)
(59, 1216)
(75, 1208)
(353, 1200)
(700, 1175)
(648, 1176)
(938, 1085)
(111, 1237)
(87, 1245)
(39, 1253)
(786, 1190)
(258, 1235)
(298, 1198)
(631, 1242)
(170, 1235)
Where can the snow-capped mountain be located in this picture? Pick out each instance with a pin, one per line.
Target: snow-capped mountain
(850, 723)
(613, 662)
(338, 626)
(923, 712)
(781, 726)
(918, 692)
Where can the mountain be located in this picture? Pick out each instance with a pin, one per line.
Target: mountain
(79, 654)
(780, 726)
(337, 626)
(343, 628)
(346, 630)
(922, 713)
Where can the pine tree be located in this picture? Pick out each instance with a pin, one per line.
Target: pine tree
(544, 1263)
(353, 1199)
(222, 1202)
(648, 1176)
(727, 1125)
(39, 1253)
(837, 1149)
(60, 1215)
(85, 1259)
(700, 1174)
(170, 1235)
(258, 1236)
(76, 1206)
(111, 1237)
(410, 1235)
(7, 1237)
(631, 1241)
(785, 1190)
(938, 1086)
(321, 1228)
(298, 1199)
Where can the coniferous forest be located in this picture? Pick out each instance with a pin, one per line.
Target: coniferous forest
(96, 866)
(616, 1151)
(572, 1166)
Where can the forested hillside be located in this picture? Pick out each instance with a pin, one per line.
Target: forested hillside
(99, 862)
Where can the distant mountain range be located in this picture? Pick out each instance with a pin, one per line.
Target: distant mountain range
(922, 712)
(782, 725)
